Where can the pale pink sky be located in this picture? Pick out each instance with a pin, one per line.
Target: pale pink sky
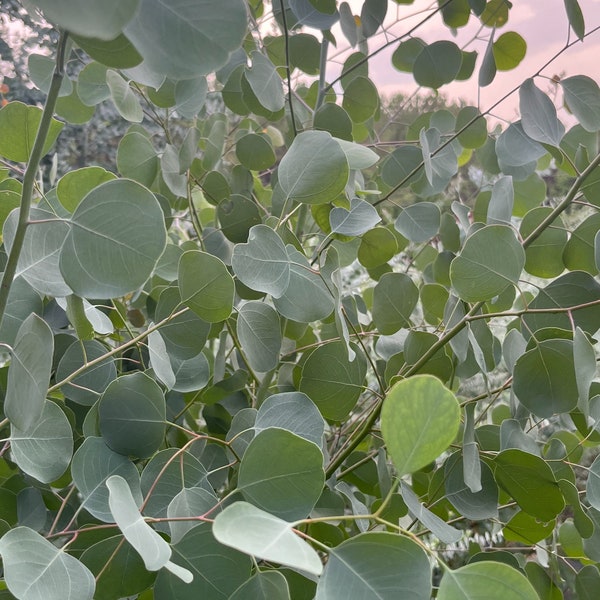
(542, 23)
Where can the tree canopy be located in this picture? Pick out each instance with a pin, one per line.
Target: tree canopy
(285, 338)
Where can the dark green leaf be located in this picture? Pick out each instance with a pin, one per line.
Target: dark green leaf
(18, 127)
(530, 481)
(132, 415)
(376, 565)
(333, 382)
(282, 473)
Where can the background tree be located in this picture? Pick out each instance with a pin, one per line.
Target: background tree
(295, 342)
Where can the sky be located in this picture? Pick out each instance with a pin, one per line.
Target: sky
(542, 23)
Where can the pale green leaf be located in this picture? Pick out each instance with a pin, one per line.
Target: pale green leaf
(538, 115)
(582, 96)
(35, 569)
(45, 450)
(419, 420)
(29, 374)
(254, 531)
(489, 580)
(155, 552)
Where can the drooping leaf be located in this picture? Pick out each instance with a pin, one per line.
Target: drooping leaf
(45, 450)
(500, 207)
(419, 420)
(259, 332)
(35, 568)
(132, 415)
(153, 549)
(18, 127)
(282, 473)
(124, 98)
(490, 580)
(372, 16)
(263, 585)
(41, 69)
(252, 530)
(93, 463)
(265, 82)
(376, 565)
(442, 530)
(575, 17)
(477, 506)
(29, 374)
(206, 285)
(538, 115)
(314, 170)
(194, 42)
(102, 256)
(582, 96)
(331, 381)
(481, 271)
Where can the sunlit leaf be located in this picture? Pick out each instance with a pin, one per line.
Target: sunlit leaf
(419, 420)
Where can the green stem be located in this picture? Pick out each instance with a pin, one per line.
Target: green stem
(37, 153)
(322, 72)
(288, 71)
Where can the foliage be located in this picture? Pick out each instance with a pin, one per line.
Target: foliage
(293, 350)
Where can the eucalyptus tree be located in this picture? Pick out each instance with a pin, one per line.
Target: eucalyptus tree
(275, 355)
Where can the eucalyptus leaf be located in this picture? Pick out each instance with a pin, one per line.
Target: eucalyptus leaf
(29, 374)
(252, 530)
(52, 574)
(419, 420)
(45, 450)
